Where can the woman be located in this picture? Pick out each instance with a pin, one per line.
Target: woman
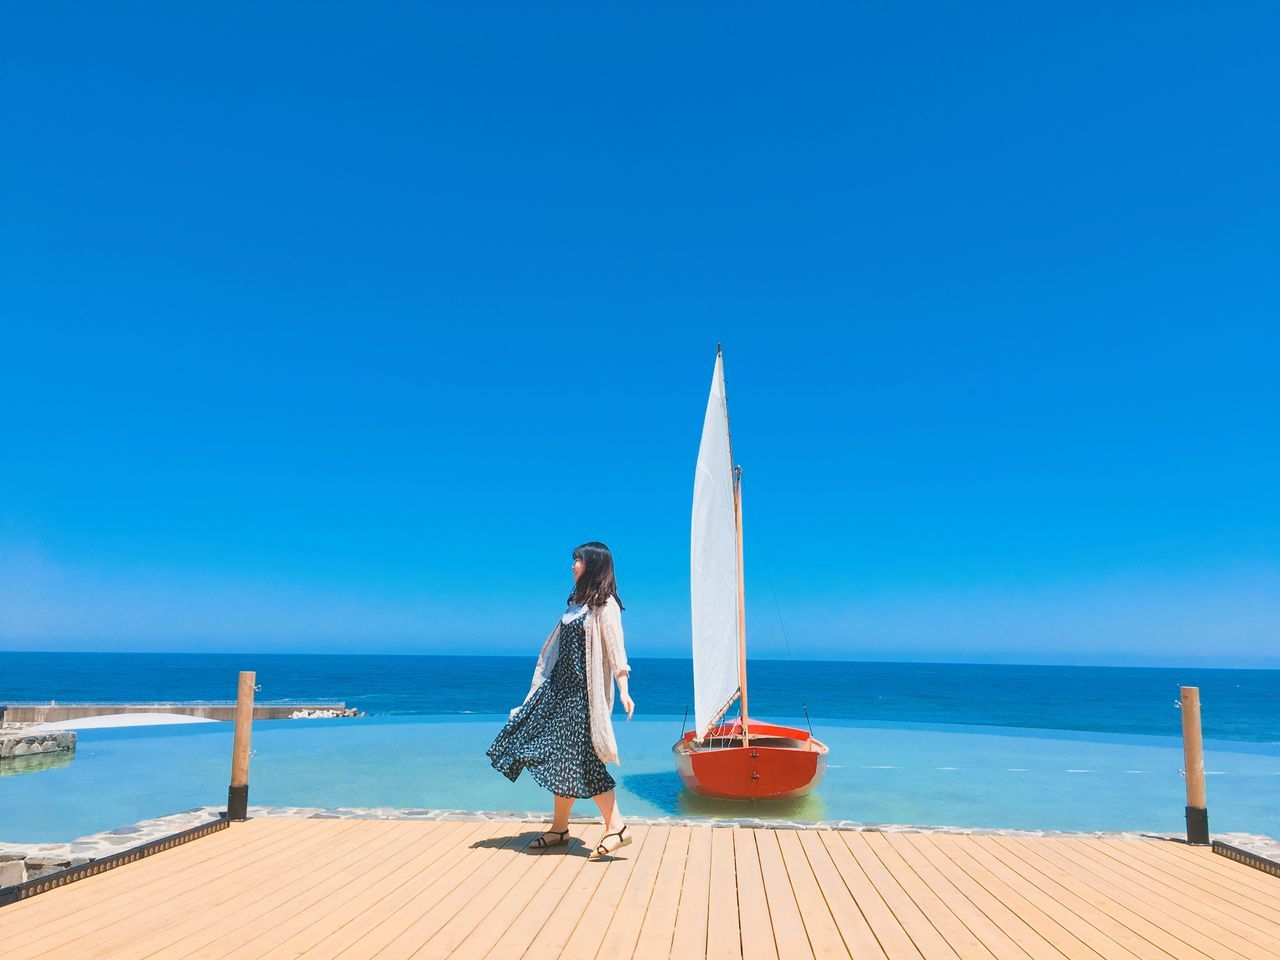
(563, 732)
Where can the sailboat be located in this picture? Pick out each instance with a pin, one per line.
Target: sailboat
(745, 758)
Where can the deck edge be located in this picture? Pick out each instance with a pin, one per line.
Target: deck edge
(24, 891)
(1246, 857)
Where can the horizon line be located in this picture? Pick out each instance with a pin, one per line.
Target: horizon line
(1271, 664)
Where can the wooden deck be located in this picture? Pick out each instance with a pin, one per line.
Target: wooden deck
(398, 889)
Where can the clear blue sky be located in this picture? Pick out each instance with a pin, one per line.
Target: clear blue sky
(333, 327)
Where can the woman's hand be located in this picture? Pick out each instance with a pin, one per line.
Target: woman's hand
(628, 704)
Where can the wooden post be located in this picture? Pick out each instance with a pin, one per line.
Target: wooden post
(1193, 764)
(238, 794)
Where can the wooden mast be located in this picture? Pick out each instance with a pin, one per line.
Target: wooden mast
(742, 604)
(737, 527)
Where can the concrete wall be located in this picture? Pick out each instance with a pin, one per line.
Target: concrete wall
(46, 713)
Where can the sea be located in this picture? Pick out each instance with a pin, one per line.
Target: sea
(1235, 704)
(989, 746)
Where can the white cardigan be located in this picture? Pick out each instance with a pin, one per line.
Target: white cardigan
(606, 660)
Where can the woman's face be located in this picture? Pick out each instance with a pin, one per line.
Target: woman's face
(578, 568)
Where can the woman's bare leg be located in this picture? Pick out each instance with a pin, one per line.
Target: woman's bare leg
(560, 819)
(563, 807)
(608, 804)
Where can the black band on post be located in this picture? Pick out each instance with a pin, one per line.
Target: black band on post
(1197, 825)
(238, 803)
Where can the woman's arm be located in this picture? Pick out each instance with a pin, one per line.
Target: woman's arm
(611, 622)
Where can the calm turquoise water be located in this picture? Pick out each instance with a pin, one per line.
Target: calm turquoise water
(879, 772)
(975, 745)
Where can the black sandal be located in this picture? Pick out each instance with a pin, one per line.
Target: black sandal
(603, 850)
(541, 843)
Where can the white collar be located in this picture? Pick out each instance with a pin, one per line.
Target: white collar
(574, 611)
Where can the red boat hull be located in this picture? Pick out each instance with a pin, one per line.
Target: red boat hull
(777, 762)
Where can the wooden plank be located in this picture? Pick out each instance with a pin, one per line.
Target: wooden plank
(885, 925)
(1164, 893)
(43, 909)
(1092, 910)
(255, 913)
(288, 890)
(999, 944)
(1187, 872)
(1015, 927)
(309, 927)
(258, 935)
(366, 916)
(1149, 903)
(1069, 935)
(71, 902)
(724, 931)
(601, 910)
(753, 904)
(820, 926)
(1153, 908)
(542, 876)
(1185, 904)
(935, 909)
(482, 864)
(789, 933)
(689, 924)
(551, 936)
(124, 893)
(432, 885)
(926, 937)
(152, 899)
(1237, 877)
(569, 880)
(161, 923)
(480, 909)
(855, 932)
(658, 929)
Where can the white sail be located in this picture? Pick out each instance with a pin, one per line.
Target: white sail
(714, 566)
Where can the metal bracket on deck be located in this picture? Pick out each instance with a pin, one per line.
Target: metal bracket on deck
(238, 803)
(1247, 858)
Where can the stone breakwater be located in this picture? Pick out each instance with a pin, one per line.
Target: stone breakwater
(21, 744)
(20, 862)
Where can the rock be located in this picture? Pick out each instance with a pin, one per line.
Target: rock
(24, 745)
(38, 867)
(12, 872)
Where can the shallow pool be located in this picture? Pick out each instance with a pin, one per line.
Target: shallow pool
(877, 773)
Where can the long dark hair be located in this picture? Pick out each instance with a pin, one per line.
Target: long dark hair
(597, 583)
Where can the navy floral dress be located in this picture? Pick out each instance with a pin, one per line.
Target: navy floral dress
(551, 733)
